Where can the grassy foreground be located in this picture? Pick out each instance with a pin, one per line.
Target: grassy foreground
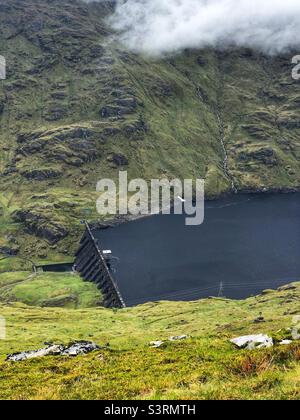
(205, 366)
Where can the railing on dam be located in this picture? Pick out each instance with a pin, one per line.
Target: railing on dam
(92, 266)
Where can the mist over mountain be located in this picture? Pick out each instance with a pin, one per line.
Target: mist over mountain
(164, 26)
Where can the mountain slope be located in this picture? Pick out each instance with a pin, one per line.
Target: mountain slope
(204, 366)
(77, 107)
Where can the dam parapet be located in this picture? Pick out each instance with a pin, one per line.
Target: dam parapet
(92, 265)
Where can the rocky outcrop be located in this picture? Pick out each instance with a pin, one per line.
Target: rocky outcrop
(41, 174)
(119, 97)
(256, 131)
(72, 145)
(41, 225)
(55, 113)
(290, 122)
(119, 108)
(117, 159)
(136, 128)
(252, 342)
(9, 251)
(265, 155)
(76, 348)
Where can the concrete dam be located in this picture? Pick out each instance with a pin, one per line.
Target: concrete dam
(247, 243)
(93, 266)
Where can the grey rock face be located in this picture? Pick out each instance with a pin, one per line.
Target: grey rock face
(41, 226)
(252, 342)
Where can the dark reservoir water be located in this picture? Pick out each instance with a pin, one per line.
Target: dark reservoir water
(57, 268)
(246, 244)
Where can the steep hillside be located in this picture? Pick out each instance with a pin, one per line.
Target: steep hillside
(204, 366)
(77, 107)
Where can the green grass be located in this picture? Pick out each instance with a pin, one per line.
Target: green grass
(12, 264)
(179, 371)
(48, 290)
(206, 366)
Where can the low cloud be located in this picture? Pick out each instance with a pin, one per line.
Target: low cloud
(166, 26)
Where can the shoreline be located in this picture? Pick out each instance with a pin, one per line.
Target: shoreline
(121, 219)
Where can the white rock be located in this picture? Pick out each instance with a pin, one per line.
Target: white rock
(74, 349)
(54, 350)
(178, 337)
(252, 342)
(286, 342)
(79, 348)
(156, 344)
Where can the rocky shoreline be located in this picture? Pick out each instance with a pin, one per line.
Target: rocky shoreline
(120, 219)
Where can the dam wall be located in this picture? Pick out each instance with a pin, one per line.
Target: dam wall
(92, 266)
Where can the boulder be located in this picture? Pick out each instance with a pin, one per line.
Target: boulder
(41, 174)
(285, 342)
(41, 226)
(53, 350)
(80, 348)
(74, 349)
(259, 319)
(178, 338)
(252, 342)
(9, 251)
(156, 344)
(118, 159)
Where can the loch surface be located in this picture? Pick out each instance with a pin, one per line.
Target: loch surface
(246, 244)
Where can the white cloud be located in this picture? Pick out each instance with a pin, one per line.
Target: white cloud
(166, 26)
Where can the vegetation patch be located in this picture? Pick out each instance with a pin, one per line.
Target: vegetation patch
(204, 366)
(48, 290)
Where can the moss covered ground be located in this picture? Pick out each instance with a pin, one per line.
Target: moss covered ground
(48, 289)
(205, 366)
